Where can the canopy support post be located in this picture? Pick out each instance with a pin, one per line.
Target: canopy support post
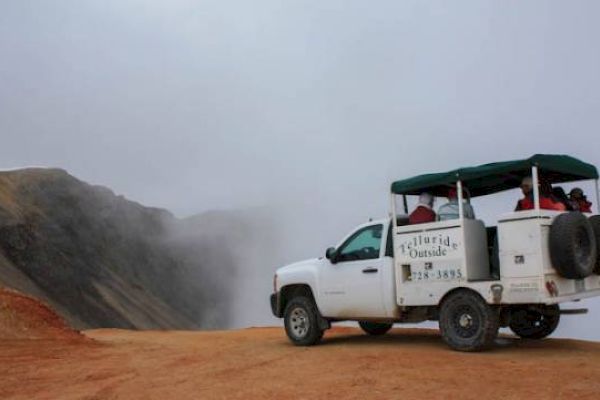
(461, 206)
(536, 187)
(393, 210)
(405, 204)
(394, 224)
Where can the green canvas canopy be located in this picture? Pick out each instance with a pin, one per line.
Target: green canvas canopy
(495, 177)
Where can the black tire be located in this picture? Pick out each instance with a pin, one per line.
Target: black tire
(301, 320)
(534, 322)
(467, 322)
(573, 246)
(375, 328)
(595, 222)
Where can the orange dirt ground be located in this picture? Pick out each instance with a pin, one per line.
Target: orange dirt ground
(260, 363)
(42, 358)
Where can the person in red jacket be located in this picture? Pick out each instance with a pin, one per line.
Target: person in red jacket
(579, 201)
(526, 203)
(424, 212)
(547, 201)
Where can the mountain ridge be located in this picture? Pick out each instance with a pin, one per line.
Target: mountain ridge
(102, 260)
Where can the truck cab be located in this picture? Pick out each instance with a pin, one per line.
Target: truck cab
(359, 280)
(470, 278)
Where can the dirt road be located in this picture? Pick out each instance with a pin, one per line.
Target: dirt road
(261, 364)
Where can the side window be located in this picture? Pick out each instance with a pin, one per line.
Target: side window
(363, 245)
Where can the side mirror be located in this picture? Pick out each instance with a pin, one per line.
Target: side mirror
(331, 254)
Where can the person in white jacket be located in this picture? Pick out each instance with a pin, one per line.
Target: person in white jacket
(450, 209)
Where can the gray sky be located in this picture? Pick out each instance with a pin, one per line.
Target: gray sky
(315, 105)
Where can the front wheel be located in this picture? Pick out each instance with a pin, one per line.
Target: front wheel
(467, 322)
(534, 322)
(301, 322)
(375, 328)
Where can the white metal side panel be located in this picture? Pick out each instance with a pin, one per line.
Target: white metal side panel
(520, 248)
(476, 250)
(429, 258)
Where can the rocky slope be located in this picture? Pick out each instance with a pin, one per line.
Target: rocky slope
(103, 261)
(25, 317)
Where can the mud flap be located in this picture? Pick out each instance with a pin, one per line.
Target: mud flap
(323, 323)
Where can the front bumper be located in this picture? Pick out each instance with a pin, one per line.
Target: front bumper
(275, 305)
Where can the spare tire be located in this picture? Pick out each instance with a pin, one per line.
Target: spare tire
(595, 222)
(573, 245)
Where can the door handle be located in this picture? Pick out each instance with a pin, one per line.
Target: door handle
(370, 270)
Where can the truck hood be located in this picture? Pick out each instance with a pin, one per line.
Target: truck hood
(300, 265)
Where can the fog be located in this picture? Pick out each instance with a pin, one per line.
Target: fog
(308, 109)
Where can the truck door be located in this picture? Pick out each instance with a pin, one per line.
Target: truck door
(351, 287)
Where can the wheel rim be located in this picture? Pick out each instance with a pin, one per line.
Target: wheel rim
(299, 322)
(465, 321)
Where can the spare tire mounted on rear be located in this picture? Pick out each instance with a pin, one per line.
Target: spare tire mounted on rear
(573, 246)
(595, 221)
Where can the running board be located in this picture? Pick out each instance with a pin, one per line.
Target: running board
(573, 311)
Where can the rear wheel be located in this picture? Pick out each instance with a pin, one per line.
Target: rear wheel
(534, 322)
(467, 322)
(301, 322)
(375, 328)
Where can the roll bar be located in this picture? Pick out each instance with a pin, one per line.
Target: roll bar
(536, 189)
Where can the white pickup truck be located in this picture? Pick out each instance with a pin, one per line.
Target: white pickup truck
(470, 278)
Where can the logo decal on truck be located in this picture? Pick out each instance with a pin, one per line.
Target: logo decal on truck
(439, 275)
(428, 245)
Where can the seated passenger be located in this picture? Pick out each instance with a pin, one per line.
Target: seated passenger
(450, 209)
(559, 195)
(547, 201)
(424, 212)
(526, 203)
(579, 201)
